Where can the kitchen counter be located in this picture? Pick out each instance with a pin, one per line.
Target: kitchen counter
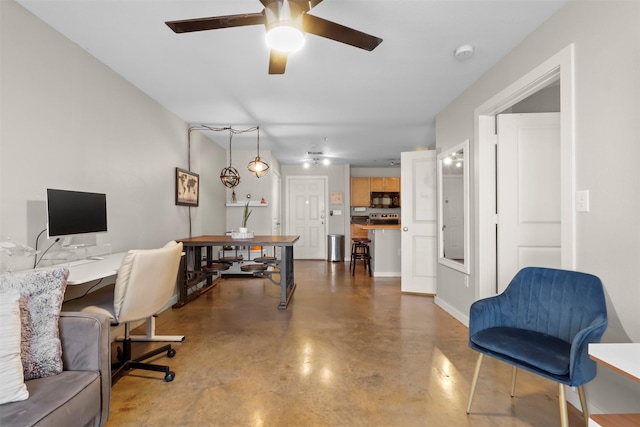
(378, 226)
(384, 248)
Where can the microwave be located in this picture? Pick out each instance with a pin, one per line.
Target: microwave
(385, 199)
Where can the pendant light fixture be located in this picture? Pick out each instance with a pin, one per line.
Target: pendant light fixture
(258, 166)
(229, 175)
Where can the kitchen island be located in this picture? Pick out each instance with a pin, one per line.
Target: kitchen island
(384, 248)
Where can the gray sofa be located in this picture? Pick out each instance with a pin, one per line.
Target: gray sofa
(80, 395)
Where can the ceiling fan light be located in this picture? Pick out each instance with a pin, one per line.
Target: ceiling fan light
(284, 37)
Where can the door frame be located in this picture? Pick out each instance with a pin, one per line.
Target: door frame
(559, 67)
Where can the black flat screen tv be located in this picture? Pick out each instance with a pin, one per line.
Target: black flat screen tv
(75, 212)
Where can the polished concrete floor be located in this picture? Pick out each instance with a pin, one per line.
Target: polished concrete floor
(349, 351)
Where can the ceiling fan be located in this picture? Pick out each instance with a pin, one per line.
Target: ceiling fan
(286, 21)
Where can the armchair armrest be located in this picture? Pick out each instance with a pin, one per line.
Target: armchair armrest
(582, 369)
(86, 346)
(485, 313)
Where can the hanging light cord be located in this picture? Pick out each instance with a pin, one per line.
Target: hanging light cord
(258, 144)
(214, 129)
(230, 138)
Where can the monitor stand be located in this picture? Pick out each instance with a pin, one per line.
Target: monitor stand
(79, 241)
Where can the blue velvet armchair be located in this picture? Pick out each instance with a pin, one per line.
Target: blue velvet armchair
(543, 323)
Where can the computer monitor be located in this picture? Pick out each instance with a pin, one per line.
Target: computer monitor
(75, 212)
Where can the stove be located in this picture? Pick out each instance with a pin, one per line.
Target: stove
(384, 218)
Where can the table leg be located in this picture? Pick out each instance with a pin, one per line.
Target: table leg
(287, 281)
(194, 258)
(183, 276)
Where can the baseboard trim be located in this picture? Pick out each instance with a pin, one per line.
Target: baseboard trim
(458, 315)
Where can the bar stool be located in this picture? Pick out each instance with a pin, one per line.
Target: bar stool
(253, 267)
(231, 258)
(215, 267)
(267, 259)
(360, 250)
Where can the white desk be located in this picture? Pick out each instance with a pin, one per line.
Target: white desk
(623, 358)
(87, 270)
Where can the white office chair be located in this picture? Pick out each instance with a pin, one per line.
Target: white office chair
(145, 283)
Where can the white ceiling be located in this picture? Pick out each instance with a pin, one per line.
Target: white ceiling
(357, 107)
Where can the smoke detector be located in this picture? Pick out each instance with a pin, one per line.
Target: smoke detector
(464, 52)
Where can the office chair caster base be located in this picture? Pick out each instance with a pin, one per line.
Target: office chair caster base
(169, 376)
(171, 353)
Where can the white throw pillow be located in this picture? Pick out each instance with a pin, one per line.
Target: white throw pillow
(13, 388)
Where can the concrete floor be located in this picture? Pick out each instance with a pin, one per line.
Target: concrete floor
(349, 351)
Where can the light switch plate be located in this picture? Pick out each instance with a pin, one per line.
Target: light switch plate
(582, 201)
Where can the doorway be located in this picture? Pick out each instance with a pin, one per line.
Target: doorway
(559, 67)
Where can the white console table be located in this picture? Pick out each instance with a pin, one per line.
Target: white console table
(96, 268)
(623, 358)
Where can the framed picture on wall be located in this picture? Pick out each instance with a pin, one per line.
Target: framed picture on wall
(187, 188)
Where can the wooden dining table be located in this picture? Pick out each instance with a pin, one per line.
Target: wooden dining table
(191, 265)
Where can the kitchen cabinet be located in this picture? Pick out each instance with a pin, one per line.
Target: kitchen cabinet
(385, 184)
(360, 191)
(361, 188)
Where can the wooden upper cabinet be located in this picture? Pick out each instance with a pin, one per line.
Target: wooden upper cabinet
(360, 192)
(377, 184)
(392, 184)
(385, 184)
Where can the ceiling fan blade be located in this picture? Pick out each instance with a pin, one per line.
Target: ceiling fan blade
(277, 62)
(323, 28)
(216, 22)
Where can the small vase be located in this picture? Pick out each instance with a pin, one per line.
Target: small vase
(243, 230)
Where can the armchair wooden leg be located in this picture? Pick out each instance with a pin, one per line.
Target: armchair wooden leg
(562, 401)
(475, 381)
(514, 373)
(583, 403)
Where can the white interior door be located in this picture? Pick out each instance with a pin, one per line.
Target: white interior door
(276, 182)
(528, 193)
(306, 215)
(419, 222)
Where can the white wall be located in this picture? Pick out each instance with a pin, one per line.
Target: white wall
(68, 121)
(260, 220)
(375, 172)
(607, 107)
